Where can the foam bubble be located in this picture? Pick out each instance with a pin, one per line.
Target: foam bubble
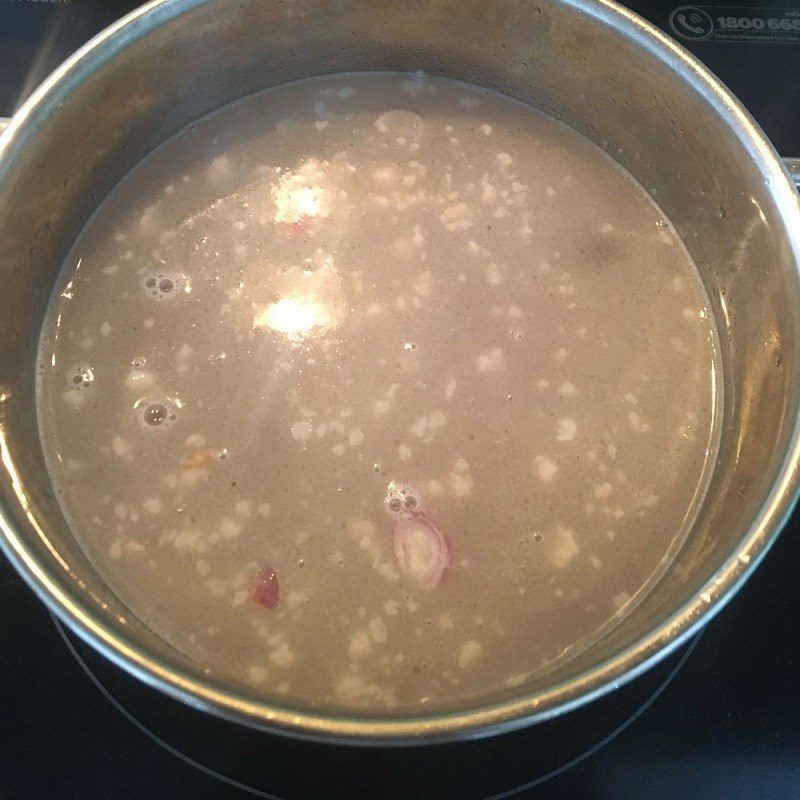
(402, 498)
(163, 286)
(81, 376)
(156, 412)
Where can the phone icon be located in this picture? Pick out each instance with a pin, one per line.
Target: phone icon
(690, 22)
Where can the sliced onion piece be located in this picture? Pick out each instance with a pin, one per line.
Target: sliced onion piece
(421, 548)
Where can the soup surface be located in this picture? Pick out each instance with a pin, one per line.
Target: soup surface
(378, 390)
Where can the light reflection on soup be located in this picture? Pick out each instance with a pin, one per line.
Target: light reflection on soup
(378, 390)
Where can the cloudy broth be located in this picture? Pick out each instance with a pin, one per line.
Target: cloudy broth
(378, 390)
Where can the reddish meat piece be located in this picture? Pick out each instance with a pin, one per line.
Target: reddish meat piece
(266, 592)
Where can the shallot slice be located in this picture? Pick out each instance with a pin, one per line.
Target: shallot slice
(298, 227)
(420, 547)
(199, 459)
(266, 591)
(302, 226)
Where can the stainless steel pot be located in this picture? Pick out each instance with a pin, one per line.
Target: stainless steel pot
(590, 63)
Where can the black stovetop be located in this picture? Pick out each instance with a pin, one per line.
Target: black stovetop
(720, 719)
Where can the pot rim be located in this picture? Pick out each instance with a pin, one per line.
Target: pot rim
(498, 717)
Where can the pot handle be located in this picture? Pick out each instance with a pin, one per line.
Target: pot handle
(793, 167)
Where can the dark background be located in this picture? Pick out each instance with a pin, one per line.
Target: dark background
(727, 726)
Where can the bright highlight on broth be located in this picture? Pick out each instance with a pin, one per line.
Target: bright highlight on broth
(299, 196)
(296, 317)
(379, 392)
